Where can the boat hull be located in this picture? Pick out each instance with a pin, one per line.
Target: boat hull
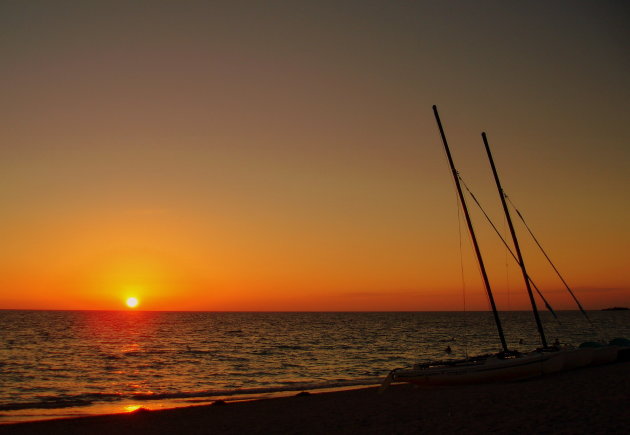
(604, 355)
(577, 358)
(490, 370)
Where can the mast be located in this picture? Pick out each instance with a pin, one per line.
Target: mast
(515, 240)
(484, 275)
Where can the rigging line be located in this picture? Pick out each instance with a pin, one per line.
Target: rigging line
(461, 265)
(549, 260)
(479, 268)
(551, 310)
(507, 266)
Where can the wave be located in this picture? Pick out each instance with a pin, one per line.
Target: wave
(58, 402)
(88, 399)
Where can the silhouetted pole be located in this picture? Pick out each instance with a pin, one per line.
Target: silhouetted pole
(516, 246)
(484, 275)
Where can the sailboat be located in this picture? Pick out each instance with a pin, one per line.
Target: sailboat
(507, 365)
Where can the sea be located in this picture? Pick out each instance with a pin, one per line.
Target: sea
(67, 363)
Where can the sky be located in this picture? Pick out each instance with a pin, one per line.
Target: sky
(283, 155)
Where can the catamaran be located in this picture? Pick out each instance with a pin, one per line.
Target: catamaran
(507, 365)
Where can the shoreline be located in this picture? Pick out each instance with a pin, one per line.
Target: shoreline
(33, 415)
(588, 400)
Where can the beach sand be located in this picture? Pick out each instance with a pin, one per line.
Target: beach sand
(589, 401)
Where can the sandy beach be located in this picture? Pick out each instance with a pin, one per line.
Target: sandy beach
(592, 400)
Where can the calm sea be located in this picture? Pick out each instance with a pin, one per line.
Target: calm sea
(60, 363)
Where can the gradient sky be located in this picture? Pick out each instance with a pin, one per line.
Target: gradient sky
(283, 155)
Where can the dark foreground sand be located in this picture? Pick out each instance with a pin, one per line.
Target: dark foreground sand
(588, 401)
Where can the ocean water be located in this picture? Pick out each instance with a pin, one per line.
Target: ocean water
(61, 363)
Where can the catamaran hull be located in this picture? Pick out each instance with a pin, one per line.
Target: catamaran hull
(604, 355)
(578, 358)
(488, 371)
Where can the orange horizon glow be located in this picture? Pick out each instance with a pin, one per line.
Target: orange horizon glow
(364, 275)
(160, 263)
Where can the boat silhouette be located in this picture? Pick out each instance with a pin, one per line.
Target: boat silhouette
(506, 365)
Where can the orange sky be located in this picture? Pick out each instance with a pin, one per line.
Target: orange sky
(284, 156)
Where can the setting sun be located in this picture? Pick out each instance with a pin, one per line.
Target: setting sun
(132, 302)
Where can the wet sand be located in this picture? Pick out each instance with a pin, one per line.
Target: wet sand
(586, 401)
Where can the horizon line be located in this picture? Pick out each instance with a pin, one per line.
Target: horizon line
(291, 311)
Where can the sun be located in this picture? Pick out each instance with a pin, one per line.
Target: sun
(132, 302)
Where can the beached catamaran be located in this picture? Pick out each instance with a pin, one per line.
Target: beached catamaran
(508, 364)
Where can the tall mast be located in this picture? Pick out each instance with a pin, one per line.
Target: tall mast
(484, 275)
(515, 240)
